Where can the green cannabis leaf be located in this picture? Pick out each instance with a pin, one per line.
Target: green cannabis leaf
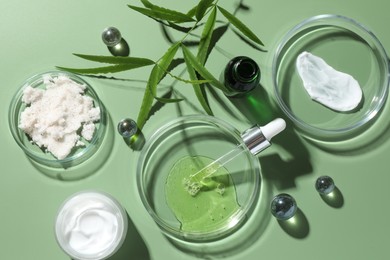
(206, 37)
(203, 15)
(157, 12)
(201, 8)
(120, 64)
(101, 70)
(240, 26)
(188, 56)
(117, 59)
(155, 77)
(198, 89)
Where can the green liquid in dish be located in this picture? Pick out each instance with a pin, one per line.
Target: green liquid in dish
(212, 207)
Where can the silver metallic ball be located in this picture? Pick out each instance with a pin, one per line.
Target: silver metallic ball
(283, 206)
(324, 185)
(111, 36)
(127, 127)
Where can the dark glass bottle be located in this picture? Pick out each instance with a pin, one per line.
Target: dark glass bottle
(241, 75)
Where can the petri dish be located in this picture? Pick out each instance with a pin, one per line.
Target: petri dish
(39, 155)
(349, 47)
(195, 135)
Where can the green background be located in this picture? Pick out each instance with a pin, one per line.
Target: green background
(38, 35)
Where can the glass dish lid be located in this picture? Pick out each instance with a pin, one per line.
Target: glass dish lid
(82, 150)
(181, 146)
(346, 46)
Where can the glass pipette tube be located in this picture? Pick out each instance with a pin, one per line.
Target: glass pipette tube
(256, 139)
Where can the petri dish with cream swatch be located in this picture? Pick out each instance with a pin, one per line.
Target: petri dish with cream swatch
(348, 47)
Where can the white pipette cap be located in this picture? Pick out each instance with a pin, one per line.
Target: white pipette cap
(258, 138)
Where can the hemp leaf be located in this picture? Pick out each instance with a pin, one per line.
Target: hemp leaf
(199, 91)
(188, 56)
(117, 59)
(201, 8)
(240, 26)
(120, 64)
(158, 72)
(157, 12)
(195, 65)
(206, 37)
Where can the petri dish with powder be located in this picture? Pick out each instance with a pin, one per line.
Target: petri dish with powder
(57, 125)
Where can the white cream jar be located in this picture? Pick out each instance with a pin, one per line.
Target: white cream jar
(90, 225)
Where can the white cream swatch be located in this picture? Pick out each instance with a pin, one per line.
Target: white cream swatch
(334, 89)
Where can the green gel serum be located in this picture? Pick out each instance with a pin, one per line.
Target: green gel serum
(213, 205)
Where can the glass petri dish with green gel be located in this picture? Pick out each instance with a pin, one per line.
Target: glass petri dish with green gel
(211, 206)
(349, 47)
(225, 199)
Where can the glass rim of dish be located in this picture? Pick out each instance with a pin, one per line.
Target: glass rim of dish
(238, 217)
(38, 156)
(332, 20)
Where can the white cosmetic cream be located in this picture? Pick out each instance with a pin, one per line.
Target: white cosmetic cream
(337, 90)
(91, 225)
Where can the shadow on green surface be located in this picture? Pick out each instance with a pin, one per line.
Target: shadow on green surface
(257, 107)
(121, 49)
(221, 101)
(133, 247)
(335, 199)
(283, 173)
(361, 143)
(136, 142)
(297, 226)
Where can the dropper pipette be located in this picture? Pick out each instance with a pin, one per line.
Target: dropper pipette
(256, 139)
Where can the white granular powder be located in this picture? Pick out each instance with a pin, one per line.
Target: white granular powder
(58, 114)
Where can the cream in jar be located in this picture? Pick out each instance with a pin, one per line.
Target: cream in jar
(91, 225)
